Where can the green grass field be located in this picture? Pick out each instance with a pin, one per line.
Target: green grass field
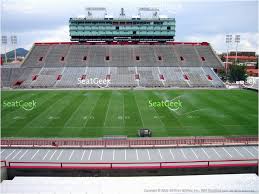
(123, 112)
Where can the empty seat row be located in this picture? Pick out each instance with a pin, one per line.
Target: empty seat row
(65, 55)
(69, 77)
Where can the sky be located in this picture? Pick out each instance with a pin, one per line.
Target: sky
(196, 20)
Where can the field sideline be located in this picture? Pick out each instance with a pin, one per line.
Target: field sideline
(122, 112)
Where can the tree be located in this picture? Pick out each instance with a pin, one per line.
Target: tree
(237, 73)
(222, 58)
(222, 74)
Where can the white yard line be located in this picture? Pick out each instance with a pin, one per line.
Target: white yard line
(125, 154)
(205, 153)
(227, 152)
(194, 153)
(216, 152)
(23, 154)
(137, 153)
(59, 154)
(71, 154)
(71, 116)
(16, 154)
(249, 152)
(139, 110)
(46, 155)
(10, 154)
(90, 154)
(239, 152)
(90, 111)
(35, 154)
(83, 155)
(183, 154)
(101, 158)
(160, 153)
(171, 153)
(123, 112)
(52, 154)
(2, 151)
(107, 111)
(148, 154)
(113, 154)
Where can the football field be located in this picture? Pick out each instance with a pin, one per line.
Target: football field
(97, 113)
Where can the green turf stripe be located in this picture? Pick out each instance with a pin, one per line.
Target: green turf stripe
(75, 125)
(66, 111)
(148, 114)
(193, 115)
(20, 127)
(95, 113)
(12, 112)
(115, 113)
(82, 114)
(228, 116)
(42, 118)
(131, 110)
(99, 112)
(55, 127)
(168, 117)
(11, 95)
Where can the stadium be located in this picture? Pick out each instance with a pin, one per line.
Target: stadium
(80, 107)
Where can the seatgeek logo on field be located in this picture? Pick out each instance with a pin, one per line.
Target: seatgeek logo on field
(102, 83)
(25, 105)
(173, 105)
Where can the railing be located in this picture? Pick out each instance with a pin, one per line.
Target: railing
(136, 165)
(123, 43)
(131, 142)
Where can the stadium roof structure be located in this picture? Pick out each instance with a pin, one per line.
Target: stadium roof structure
(135, 28)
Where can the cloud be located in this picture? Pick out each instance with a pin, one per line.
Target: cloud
(248, 41)
(26, 39)
(196, 20)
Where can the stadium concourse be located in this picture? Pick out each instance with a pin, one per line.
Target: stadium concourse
(64, 64)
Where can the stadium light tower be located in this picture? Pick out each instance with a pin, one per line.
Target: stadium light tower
(122, 14)
(90, 9)
(228, 41)
(4, 42)
(14, 43)
(237, 40)
(154, 10)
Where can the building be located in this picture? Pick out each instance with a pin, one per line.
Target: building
(249, 59)
(157, 28)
